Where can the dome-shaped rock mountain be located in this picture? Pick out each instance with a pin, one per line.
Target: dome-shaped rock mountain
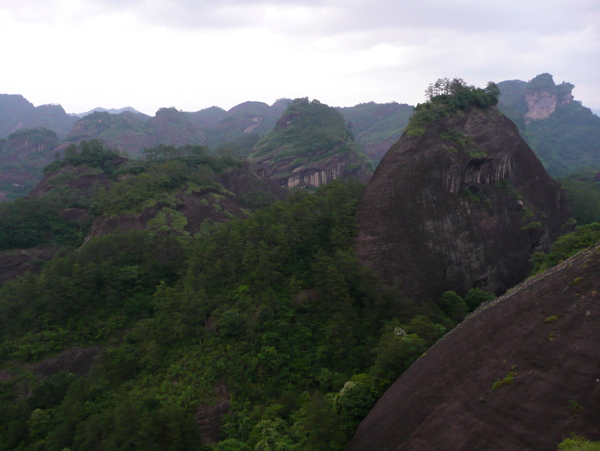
(461, 202)
(521, 373)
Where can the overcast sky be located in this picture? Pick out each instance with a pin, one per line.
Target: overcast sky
(192, 54)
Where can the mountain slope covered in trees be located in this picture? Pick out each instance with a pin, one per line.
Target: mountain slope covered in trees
(310, 146)
(564, 134)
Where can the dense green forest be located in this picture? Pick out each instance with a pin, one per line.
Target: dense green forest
(272, 313)
(308, 129)
(270, 319)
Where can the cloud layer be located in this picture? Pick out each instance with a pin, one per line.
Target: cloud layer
(195, 53)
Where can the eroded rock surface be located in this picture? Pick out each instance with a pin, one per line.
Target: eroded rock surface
(521, 373)
(463, 205)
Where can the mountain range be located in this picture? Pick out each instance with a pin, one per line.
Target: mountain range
(259, 295)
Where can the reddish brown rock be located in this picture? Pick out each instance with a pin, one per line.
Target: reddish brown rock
(76, 360)
(209, 416)
(458, 396)
(463, 205)
(16, 262)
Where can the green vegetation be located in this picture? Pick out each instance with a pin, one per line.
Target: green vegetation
(475, 194)
(275, 307)
(566, 246)
(508, 379)
(578, 443)
(376, 126)
(456, 308)
(446, 97)
(565, 141)
(93, 154)
(583, 191)
(575, 407)
(26, 223)
(311, 132)
(535, 225)
(552, 319)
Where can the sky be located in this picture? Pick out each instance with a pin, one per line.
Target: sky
(193, 54)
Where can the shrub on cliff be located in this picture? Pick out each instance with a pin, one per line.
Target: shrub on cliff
(447, 96)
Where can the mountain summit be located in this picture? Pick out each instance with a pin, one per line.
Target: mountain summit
(460, 201)
(310, 146)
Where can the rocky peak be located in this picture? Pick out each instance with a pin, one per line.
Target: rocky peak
(310, 146)
(459, 204)
(543, 97)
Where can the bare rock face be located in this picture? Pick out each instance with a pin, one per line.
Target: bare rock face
(543, 97)
(463, 205)
(16, 262)
(541, 104)
(520, 373)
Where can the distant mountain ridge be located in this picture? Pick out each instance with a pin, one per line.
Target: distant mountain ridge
(235, 132)
(126, 109)
(564, 134)
(17, 113)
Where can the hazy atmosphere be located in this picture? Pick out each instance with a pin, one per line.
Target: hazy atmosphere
(194, 54)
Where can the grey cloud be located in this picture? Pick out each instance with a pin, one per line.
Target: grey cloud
(542, 16)
(331, 17)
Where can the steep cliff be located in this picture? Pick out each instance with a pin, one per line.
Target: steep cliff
(310, 146)
(564, 134)
(543, 97)
(460, 201)
(520, 373)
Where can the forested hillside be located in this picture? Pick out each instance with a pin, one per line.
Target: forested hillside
(186, 299)
(310, 146)
(235, 133)
(264, 330)
(564, 134)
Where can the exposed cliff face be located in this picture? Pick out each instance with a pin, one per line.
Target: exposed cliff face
(563, 134)
(310, 146)
(543, 335)
(16, 262)
(462, 206)
(542, 103)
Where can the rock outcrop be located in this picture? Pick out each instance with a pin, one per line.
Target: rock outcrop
(463, 205)
(520, 373)
(563, 133)
(233, 194)
(543, 97)
(310, 146)
(16, 262)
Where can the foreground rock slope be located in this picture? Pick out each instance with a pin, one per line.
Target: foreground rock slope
(521, 373)
(458, 202)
